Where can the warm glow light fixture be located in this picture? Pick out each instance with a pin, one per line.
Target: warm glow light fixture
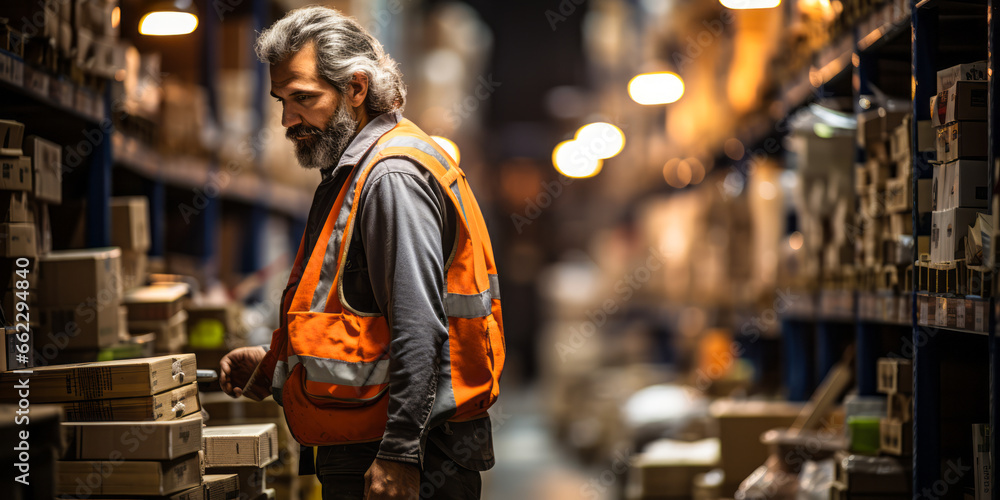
(572, 161)
(750, 4)
(601, 139)
(650, 89)
(177, 17)
(449, 146)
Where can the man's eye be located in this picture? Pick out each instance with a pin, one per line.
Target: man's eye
(302, 98)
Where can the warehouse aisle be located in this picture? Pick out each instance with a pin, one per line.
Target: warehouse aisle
(530, 463)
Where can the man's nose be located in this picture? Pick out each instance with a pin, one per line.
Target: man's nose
(289, 119)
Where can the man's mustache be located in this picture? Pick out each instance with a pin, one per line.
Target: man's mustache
(300, 131)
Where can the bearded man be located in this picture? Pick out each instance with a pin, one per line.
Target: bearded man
(390, 344)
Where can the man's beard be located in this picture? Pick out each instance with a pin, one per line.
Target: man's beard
(321, 148)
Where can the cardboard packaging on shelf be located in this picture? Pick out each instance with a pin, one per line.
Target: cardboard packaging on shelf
(963, 101)
(15, 207)
(109, 379)
(895, 375)
(168, 405)
(155, 302)
(130, 223)
(129, 477)
(961, 140)
(967, 182)
(740, 425)
(11, 136)
(134, 440)
(171, 334)
(948, 228)
(968, 72)
(96, 272)
(18, 239)
(251, 445)
(15, 173)
(895, 437)
(46, 163)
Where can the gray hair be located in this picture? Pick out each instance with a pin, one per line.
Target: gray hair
(343, 47)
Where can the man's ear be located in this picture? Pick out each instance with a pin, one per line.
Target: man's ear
(357, 89)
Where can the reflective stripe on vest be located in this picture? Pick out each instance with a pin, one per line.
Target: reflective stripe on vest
(335, 371)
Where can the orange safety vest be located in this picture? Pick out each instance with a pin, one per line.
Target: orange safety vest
(328, 364)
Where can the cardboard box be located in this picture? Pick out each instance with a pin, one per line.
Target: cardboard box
(15, 173)
(251, 479)
(899, 407)
(968, 72)
(17, 239)
(155, 302)
(667, 469)
(253, 445)
(135, 268)
(874, 127)
(221, 486)
(46, 160)
(96, 274)
(961, 140)
(968, 182)
(740, 425)
(134, 440)
(896, 438)
(130, 223)
(899, 140)
(213, 316)
(948, 229)
(128, 478)
(11, 136)
(171, 334)
(109, 379)
(168, 405)
(85, 326)
(895, 375)
(963, 101)
(15, 207)
(981, 447)
(938, 187)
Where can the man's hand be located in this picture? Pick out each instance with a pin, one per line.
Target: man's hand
(391, 480)
(236, 367)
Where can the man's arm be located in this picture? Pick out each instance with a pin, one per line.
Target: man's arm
(402, 220)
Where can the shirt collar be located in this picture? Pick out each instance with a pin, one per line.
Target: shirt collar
(372, 131)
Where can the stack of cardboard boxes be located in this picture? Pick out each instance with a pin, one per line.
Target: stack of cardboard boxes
(118, 416)
(895, 380)
(959, 112)
(30, 180)
(82, 315)
(281, 474)
(884, 188)
(243, 450)
(130, 232)
(159, 309)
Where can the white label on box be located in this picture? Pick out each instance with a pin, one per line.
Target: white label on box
(960, 314)
(941, 315)
(923, 312)
(979, 317)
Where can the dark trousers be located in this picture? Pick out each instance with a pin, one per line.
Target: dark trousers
(341, 470)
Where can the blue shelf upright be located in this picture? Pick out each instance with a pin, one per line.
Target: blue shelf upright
(926, 361)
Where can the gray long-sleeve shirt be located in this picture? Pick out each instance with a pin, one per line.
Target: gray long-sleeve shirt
(405, 229)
